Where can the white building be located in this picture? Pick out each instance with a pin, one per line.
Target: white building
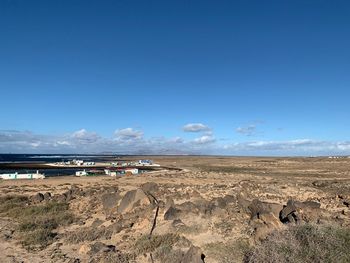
(78, 162)
(132, 170)
(89, 163)
(14, 176)
(81, 173)
(110, 173)
(145, 162)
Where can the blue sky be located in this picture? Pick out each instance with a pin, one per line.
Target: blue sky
(254, 77)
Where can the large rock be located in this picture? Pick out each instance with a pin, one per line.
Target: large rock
(95, 248)
(47, 196)
(257, 208)
(39, 197)
(172, 213)
(193, 255)
(132, 199)
(101, 247)
(292, 211)
(288, 212)
(150, 188)
(109, 202)
(264, 225)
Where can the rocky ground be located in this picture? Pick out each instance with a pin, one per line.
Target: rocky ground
(214, 210)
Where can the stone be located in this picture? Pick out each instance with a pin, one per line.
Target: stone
(132, 199)
(264, 225)
(47, 196)
(39, 197)
(287, 210)
(150, 187)
(101, 247)
(172, 213)
(258, 208)
(177, 223)
(110, 200)
(193, 255)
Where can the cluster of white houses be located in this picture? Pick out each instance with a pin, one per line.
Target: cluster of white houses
(135, 163)
(116, 169)
(77, 163)
(110, 172)
(16, 175)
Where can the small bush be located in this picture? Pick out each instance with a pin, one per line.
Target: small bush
(304, 243)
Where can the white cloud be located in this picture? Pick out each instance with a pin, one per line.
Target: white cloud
(196, 127)
(205, 139)
(128, 134)
(249, 130)
(85, 137)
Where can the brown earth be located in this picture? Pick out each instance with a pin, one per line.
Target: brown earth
(205, 212)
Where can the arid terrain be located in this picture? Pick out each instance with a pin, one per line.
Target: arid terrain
(215, 209)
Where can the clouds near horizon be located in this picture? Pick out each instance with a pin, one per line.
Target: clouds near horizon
(131, 141)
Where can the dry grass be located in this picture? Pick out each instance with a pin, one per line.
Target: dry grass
(229, 252)
(147, 244)
(229, 169)
(88, 234)
(305, 243)
(36, 223)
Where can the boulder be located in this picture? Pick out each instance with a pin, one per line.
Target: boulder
(172, 213)
(132, 199)
(292, 211)
(193, 255)
(39, 197)
(101, 247)
(177, 223)
(47, 196)
(257, 208)
(264, 225)
(169, 202)
(150, 187)
(287, 210)
(110, 201)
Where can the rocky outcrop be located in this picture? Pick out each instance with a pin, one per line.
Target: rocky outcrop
(133, 199)
(296, 211)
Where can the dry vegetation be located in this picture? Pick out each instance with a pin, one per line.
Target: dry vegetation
(35, 223)
(307, 243)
